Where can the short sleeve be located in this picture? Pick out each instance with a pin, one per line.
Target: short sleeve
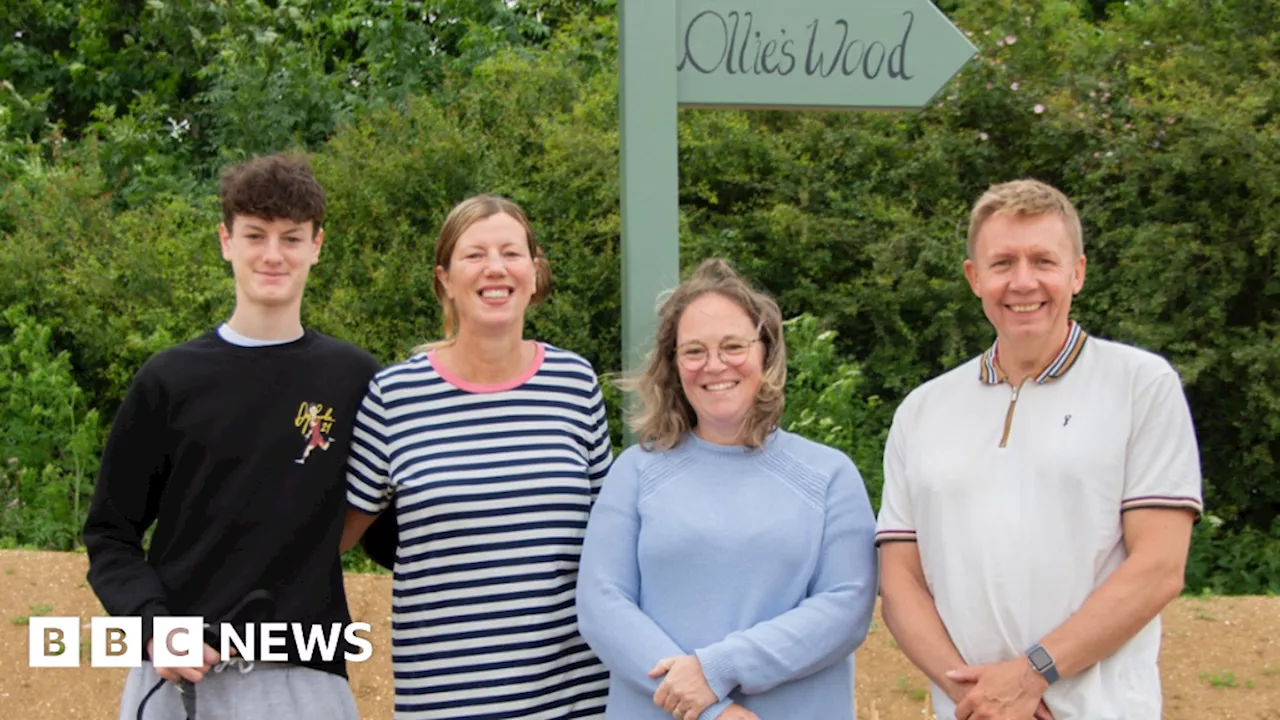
(368, 465)
(896, 521)
(597, 444)
(1162, 466)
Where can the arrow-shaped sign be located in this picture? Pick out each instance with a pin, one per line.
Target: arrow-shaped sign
(751, 54)
(815, 53)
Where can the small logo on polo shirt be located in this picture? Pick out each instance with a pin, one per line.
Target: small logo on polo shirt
(1066, 420)
(315, 423)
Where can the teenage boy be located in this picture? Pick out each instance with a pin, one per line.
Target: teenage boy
(234, 445)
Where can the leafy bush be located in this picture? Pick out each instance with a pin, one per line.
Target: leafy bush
(1233, 562)
(827, 403)
(49, 449)
(1161, 120)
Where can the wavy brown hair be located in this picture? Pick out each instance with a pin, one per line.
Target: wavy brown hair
(462, 216)
(665, 415)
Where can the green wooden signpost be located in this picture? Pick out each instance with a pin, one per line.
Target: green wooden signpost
(818, 54)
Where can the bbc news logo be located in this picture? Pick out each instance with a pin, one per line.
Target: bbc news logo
(179, 642)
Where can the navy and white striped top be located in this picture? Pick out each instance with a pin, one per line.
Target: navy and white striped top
(492, 486)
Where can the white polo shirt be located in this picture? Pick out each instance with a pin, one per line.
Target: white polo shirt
(1015, 496)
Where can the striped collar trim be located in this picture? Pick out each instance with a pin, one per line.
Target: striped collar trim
(989, 373)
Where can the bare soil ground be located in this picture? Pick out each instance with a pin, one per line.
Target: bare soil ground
(1220, 659)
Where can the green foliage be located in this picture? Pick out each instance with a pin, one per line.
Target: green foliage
(1161, 120)
(49, 449)
(1233, 562)
(385, 206)
(175, 88)
(116, 286)
(357, 561)
(826, 401)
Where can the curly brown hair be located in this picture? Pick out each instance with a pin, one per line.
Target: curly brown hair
(665, 415)
(272, 187)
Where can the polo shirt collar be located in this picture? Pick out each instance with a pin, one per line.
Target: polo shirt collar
(990, 374)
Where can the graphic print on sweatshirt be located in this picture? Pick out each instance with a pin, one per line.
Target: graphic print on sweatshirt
(314, 422)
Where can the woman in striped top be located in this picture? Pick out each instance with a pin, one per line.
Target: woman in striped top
(491, 448)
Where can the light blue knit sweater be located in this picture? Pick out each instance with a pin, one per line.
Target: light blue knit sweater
(761, 562)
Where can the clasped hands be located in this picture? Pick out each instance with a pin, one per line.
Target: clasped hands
(1010, 690)
(684, 693)
(1004, 691)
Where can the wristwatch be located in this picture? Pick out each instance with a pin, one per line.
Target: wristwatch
(1042, 662)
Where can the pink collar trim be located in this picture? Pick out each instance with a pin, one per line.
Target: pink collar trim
(538, 356)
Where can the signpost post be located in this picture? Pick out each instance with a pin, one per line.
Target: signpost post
(791, 54)
(650, 183)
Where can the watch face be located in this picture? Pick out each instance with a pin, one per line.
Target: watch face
(1039, 658)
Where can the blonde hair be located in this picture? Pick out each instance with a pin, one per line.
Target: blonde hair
(1024, 197)
(665, 415)
(463, 216)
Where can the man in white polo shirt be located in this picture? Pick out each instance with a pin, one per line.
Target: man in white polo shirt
(1039, 499)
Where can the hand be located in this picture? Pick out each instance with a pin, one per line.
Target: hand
(684, 692)
(194, 674)
(737, 712)
(957, 690)
(1005, 691)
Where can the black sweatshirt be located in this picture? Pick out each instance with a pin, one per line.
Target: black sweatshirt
(207, 446)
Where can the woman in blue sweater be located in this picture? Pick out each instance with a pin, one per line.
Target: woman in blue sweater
(729, 567)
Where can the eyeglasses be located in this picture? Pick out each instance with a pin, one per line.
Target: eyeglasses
(732, 351)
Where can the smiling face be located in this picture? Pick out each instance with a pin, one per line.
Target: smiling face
(271, 259)
(721, 393)
(1026, 271)
(491, 277)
